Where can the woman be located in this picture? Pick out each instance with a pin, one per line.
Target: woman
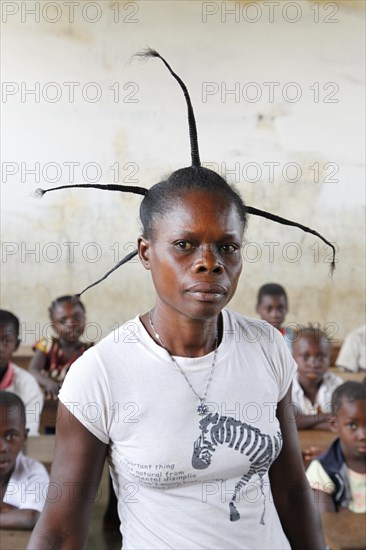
(190, 402)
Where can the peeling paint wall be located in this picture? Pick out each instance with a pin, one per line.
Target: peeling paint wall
(279, 106)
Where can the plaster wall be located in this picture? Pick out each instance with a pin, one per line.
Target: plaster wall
(280, 110)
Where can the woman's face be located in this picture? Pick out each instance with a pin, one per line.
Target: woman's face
(195, 255)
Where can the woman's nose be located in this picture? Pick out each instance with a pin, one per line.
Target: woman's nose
(208, 260)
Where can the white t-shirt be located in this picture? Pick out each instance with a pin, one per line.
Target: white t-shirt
(320, 480)
(28, 484)
(175, 472)
(323, 400)
(27, 388)
(352, 355)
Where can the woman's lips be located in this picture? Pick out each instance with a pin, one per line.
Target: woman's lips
(206, 292)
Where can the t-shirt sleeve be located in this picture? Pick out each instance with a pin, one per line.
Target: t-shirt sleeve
(35, 490)
(27, 488)
(86, 395)
(318, 478)
(27, 388)
(348, 354)
(42, 345)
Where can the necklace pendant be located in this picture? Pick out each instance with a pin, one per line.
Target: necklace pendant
(202, 408)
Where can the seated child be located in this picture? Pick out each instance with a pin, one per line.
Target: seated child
(54, 357)
(313, 386)
(272, 306)
(338, 477)
(352, 356)
(23, 481)
(14, 378)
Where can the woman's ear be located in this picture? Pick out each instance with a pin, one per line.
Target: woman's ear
(143, 246)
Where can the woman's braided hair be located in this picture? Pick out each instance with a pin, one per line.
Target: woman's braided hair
(160, 196)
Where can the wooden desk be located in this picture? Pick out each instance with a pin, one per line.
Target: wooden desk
(315, 438)
(41, 448)
(14, 540)
(345, 531)
(355, 376)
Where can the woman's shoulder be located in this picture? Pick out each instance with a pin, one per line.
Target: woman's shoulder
(249, 328)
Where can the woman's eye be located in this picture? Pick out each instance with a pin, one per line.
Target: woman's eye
(352, 425)
(229, 248)
(183, 245)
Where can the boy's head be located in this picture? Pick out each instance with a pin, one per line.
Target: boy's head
(349, 419)
(67, 314)
(272, 304)
(13, 432)
(9, 337)
(311, 351)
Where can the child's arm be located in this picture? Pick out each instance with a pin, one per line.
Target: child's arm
(291, 491)
(322, 486)
(36, 366)
(12, 517)
(76, 469)
(318, 421)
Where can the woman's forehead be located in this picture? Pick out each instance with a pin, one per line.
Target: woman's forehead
(195, 206)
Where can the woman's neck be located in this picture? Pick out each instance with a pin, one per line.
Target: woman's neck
(182, 336)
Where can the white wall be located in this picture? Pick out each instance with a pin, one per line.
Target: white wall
(212, 50)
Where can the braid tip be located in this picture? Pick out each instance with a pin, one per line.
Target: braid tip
(332, 267)
(38, 193)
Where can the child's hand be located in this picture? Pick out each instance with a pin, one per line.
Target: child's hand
(310, 453)
(51, 389)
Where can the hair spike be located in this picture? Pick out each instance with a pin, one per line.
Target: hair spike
(284, 221)
(123, 261)
(195, 155)
(107, 187)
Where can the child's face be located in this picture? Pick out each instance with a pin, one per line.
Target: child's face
(68, 320)
(273, 309)
(9, 343)
(12, 437)
(350, 423)
(312, 355)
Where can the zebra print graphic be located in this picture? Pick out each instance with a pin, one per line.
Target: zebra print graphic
(261, 449)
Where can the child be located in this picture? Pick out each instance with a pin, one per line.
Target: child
(54, 357)
(341, 471)
(352, 356)
(23, 481)
(272, 306)
(14, 378)
(313, 386)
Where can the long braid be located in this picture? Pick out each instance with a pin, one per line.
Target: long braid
(195, 155)
(284, 221)
(123, 261)
(107, 187)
